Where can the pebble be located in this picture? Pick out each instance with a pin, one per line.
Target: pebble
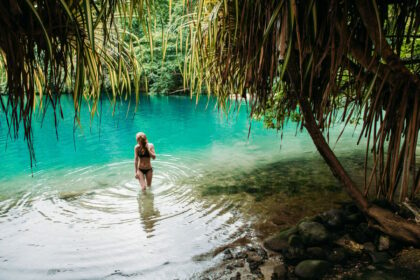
(239, 264)
(227, 255)
(241, 255)
(383, 243)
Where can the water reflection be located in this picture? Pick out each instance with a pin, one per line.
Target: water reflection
(149, 215)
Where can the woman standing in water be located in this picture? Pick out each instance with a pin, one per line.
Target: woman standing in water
(143, 151)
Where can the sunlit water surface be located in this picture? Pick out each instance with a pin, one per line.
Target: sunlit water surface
(79, 214)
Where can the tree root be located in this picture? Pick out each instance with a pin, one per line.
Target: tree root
(393, 225)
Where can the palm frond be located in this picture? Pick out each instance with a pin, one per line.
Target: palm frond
(49, 47)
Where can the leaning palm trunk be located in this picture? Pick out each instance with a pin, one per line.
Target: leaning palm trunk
(316, 59)
(381, 219)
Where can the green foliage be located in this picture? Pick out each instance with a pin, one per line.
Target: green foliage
(163, 74)
(275, 113)
(161, 63)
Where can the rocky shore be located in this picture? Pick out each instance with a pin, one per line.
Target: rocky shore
(336, 244)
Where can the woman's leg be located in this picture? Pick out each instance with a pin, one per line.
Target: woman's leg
(141, 179)
(149, 176)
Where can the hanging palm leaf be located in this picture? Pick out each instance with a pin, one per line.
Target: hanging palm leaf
(49, 47)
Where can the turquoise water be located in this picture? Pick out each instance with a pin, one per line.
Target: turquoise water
(79, 214)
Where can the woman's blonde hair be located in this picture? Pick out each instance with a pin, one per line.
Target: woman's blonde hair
(143, 141)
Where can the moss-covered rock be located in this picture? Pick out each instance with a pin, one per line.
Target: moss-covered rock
(279, 241)
(313, 233)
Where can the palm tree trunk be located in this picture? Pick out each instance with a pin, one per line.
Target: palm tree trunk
(379, 218)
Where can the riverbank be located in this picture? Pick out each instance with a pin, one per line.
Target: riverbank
(335, 244)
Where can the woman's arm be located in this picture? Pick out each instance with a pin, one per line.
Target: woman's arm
(152, 151)
(136, 159)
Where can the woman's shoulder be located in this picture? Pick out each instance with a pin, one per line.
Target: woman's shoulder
(136, 147)
(150, 144)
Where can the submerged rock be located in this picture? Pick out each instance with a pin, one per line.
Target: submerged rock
(313, 233)
(312, 269)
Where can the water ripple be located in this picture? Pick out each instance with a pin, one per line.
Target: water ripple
(94, 222)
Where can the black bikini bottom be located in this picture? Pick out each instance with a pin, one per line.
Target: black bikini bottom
(144, 171)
